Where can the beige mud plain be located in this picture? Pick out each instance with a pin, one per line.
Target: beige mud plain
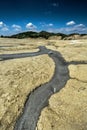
(67, 109)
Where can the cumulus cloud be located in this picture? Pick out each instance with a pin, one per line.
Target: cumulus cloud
(3, 26)
(5, 29)
(31, 26)
(70, 23)
(50, 24)
(16, 27)
(80, 28)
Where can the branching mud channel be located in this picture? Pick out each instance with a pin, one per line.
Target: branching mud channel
(38, 99)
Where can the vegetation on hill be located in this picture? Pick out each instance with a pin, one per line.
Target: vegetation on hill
(44, 34)
(31, 34)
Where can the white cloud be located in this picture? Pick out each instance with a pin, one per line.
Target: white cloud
(31, 26)
(55, 4)
(2, 24)
(80, 28)
(50, 24)
(43, 24)
(80, 25)
(16, 27)
(70, 23)
(5, 29)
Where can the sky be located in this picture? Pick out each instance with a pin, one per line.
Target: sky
(59, 16)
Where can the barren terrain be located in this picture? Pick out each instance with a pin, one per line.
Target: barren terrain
(67, 109)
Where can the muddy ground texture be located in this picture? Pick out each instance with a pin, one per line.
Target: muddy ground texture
(67, 109)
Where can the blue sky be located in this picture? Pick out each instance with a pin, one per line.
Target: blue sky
(65, 16)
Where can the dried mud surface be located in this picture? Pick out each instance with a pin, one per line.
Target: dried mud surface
(18, 78)
(67, 109)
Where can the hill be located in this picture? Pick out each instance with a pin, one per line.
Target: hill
(31, 34)
(47, 35)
